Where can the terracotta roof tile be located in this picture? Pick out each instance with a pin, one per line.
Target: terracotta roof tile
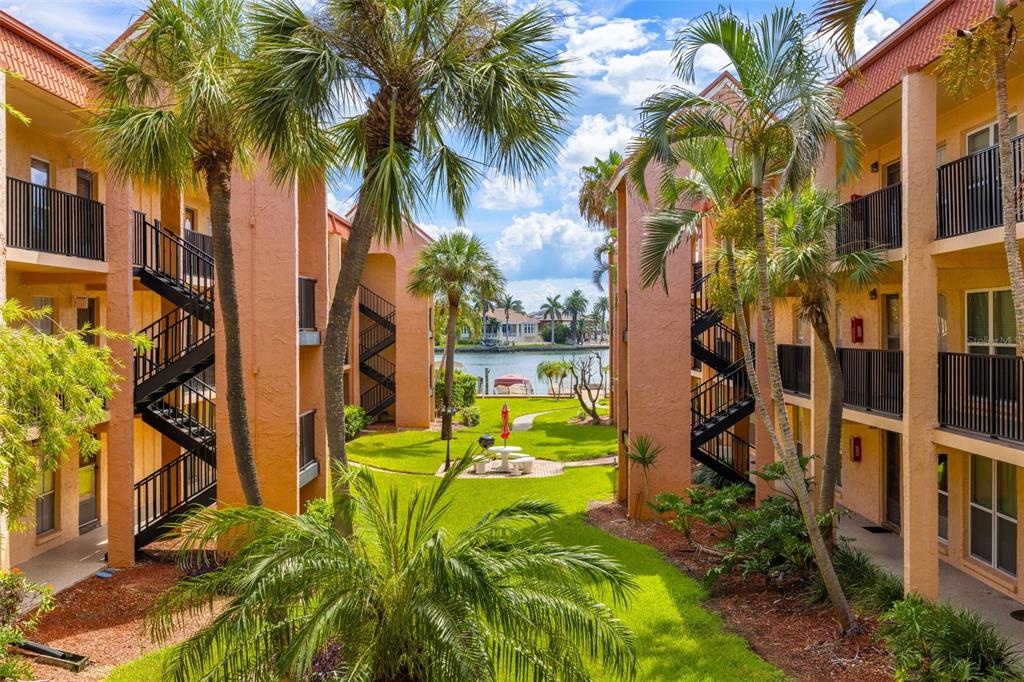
(42, 62)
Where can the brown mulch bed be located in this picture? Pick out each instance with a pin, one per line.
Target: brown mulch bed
(104, 618)
(780, 625)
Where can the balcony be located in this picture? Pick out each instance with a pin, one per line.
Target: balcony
(981, 394)
(200, 241)
(795, 366)
(308, 333)
(51, 221)
(969, 192)
(309, 467)
(871, 221)
(873, 380)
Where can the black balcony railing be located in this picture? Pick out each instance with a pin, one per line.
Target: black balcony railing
(873, 379)
(795, 366)
(200, 241)
(44, 219)
(872, 221)
(969, 196)
(307, 438)
(307, 304)
(982, 394)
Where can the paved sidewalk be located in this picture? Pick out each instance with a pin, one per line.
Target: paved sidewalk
(955, 586)
(69, 563)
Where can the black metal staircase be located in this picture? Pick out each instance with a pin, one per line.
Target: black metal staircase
(169, 394)
(723, 400)
(374, 339)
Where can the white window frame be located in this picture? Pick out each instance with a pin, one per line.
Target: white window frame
(44, 325)
(996, 515)
(49, 170)
(992, 345)
(990, 126)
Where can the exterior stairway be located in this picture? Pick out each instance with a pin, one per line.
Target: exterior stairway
(374, 339)
(724, 399)
(169, 394)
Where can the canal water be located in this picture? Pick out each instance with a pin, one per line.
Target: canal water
(516, 362)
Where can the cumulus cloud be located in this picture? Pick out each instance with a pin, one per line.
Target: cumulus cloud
(434, 230)
(86, 27)
(871, 29)
(594, 137)
(502, 193)
(541, 245)
(340, 205)
(585, 47)
(533, 292)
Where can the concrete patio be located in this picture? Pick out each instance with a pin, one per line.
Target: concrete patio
(69, 563)
(955, 586)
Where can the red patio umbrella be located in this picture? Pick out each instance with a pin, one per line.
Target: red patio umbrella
(505, 430)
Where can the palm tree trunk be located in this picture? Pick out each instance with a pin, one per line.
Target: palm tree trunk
(787, 452)
(552, 330)
(832, 460)
(449, 370)
(1008, 193)
(336, 337)
(218, 187)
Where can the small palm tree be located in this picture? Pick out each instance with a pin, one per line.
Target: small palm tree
(508, 303)
(167, 114)
(418, 100)
(404, 599)
(576, 305)
(451, 268)
(600, 313)
(603, 254)
(597, 202)
(552, 310)
(644, 452)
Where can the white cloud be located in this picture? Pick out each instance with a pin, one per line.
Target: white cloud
(634, 77)
(434, 230)
(339, 205)
(541, 245)
(87, 27)
(533, 292)
(615, 36)
(502, 193)
(595, 136)
(871, 29)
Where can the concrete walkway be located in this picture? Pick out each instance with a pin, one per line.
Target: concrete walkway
(955, 586)
(525, 422)
(69, 563)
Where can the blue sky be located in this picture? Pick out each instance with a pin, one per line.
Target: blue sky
(620, 55)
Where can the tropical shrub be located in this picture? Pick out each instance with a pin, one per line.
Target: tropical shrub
(561, 333)
(932, 641)
(720, 508)
(355, 421)
(14, 590)
(471, 415)
(869, 586)
(406, 598)
(463, 390)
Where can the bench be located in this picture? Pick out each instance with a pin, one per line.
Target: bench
(522, 464)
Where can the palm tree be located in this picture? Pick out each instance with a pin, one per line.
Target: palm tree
(484, 305)
(405, 599)
(508, 303)
(576, 305)
(451, 268)
(603, 253)
(600, 312)
(167, 115)
(778, 119)
(430, 84)
(597, 202)
(552, 310)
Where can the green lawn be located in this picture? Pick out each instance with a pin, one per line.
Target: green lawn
(552, 437)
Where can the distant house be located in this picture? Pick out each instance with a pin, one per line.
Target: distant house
(521, 327)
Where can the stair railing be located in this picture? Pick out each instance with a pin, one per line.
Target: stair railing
(381, 369)
(171, 338)
(193, 400)
(713, 397)
(374, 397)
(171, 487)
(163, 252)
(375, 302)
(373, 336)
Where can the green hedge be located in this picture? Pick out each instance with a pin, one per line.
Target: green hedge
(463, 390)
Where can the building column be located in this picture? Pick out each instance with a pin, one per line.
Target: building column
(312, 243)
(919, 501)
(620, 345)
(121, 434)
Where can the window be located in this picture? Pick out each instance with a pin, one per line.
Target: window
(798, 430)
(892, 174)
(43, 325)
(46, 498)
(987, 136)
(940, 154)
(85, 184)
(40, 201)
(991, 328)
(190, 218)
(993, 515)
(944, 497)
(892, 321)
(530, 328)
(40, 173)
(802, 331)
(307, 438)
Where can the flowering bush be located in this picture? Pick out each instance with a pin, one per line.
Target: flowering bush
(15, 590)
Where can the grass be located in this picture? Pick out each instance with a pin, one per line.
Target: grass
(146, 668)
(552, 437)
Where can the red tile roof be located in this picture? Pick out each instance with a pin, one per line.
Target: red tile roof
(42, 62)
(914, 44)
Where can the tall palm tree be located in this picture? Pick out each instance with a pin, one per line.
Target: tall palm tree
(600, 312)
(508, 303)
(167, 115)
(603, 253)
(576, 305)
(405, 599)
(451, 268)
(597, 202)
(552, 310)
(779, 119)
(484, 305)
(430, 84)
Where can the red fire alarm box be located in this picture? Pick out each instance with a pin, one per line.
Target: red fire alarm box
(855, 453)
(857, 329)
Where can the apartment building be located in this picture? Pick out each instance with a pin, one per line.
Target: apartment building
(933, 423)
(130, 258)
